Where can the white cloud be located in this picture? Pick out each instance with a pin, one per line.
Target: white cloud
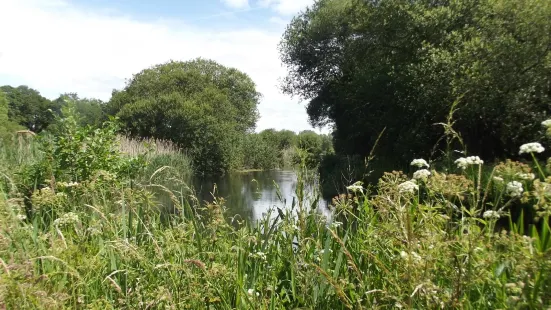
(237, 4)
(55, 48)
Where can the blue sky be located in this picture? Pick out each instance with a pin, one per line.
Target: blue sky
(92, 46)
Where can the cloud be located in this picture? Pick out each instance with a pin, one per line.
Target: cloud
(237, 4)
(55, 47)
(287, 7)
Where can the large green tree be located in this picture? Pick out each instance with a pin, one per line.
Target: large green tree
(366, 65)
(203, 106)
(7, 127)
(28, 108)
(89, 110)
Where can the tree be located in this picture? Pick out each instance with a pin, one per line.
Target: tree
(89, 110)
(28, 108)
(201, 105)
(400, 64)
(7, 127)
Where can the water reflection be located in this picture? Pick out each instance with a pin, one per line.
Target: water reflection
(250, 195)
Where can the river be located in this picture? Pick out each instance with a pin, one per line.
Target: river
(249, 195)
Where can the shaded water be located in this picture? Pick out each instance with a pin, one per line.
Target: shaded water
(249, 195)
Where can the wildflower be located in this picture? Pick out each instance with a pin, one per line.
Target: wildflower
(261, 255)
(336, 224)
(461, 163)
(490, 214)
(474, 160)
(251, 292)
(420, 163)
(66, 219)
(533, 147)
(546, 123)
(422, 174)
(498, 179)
(404, 255)
(408, 187)
(464, 162)
(93, 231)
(526, 176)
(514, 189)
(356, 187)
(21, 217)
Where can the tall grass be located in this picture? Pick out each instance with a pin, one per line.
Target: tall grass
(158, 153)
(110, 248)
(104, 243)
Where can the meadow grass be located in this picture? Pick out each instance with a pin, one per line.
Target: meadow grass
(105, 242)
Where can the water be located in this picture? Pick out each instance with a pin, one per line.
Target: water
(249, 195)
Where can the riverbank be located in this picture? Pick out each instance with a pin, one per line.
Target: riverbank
(81, 227)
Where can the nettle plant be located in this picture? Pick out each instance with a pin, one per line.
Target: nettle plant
(75, 156)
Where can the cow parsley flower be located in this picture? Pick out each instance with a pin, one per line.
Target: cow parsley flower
(252, 292)
(464, 162)
(526, 176)
(420, 163)
(408, 187)
(461, 163)
(21, 217)
(356, 187)
(533, 147)
(514, 189)
(546, 123)
(490, 214)
(422, 174)
(66, 219)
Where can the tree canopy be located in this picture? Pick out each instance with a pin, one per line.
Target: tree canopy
(203, 106)
(28, 108)
(89, 110)
(400, 64)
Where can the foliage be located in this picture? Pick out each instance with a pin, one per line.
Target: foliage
(76, 155)
(202, 106)
(89, 111)
(28, 108)
(7, 128)
(367, 65)
(436, 246)
(314, 146)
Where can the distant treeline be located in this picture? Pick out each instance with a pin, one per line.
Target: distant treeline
(209, 111)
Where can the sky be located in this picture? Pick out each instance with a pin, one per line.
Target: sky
(93, 46)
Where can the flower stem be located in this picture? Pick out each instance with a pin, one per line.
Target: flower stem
(538, 165)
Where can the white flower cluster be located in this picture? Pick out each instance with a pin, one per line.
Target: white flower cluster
(491, 215)
(532, 147)
(356, 187)
(408, 187)
(514, 189)
(21, 217)
(260, 255)
(93, 231)
(420, 163)
(546, 123)
(526, 176)
(65, 184)
(66, 219)
(422, 174)
(464, 162)
(252, 292)
(498, 179)
(413, 255)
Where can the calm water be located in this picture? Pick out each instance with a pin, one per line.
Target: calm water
(250, 195)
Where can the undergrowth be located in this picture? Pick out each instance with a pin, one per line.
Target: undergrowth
(80, 229)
